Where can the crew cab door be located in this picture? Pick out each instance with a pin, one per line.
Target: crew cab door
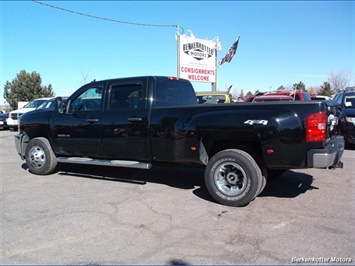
(77, 131)
(125, 121)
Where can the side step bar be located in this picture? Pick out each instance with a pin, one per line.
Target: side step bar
(116, 163)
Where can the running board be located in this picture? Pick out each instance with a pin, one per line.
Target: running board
(116, 163)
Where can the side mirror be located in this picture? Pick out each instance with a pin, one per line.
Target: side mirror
(59, 105)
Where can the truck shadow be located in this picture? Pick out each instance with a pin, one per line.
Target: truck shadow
(290, 185)
(177, 177)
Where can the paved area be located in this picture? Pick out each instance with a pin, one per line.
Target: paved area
(98, 215)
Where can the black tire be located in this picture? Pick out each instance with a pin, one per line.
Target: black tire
(40, 158)
(233, 178)
(263, 184)
(263, 168)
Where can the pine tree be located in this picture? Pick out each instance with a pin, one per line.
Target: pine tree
(26, 87)
(299, 86)
(326, 89)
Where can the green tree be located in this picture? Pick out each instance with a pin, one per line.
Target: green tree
(281, 88)
(26, 87)
(249, 94)
(326, 89)
(299, 86)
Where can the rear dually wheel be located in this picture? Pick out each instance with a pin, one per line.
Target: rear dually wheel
(233, 178)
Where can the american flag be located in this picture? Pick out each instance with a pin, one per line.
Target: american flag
(229, 88)
(228, 57)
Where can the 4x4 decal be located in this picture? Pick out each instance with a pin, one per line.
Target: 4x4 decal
(259, 122)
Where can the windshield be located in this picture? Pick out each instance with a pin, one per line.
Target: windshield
(34, 104)
(46, 104)
(49, 104)
(350, 101)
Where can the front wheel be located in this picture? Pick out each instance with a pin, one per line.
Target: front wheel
(233, 178)
(40, 158)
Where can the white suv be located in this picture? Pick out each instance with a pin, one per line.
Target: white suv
(12, 121)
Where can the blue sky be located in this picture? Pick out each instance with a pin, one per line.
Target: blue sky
(281, 42)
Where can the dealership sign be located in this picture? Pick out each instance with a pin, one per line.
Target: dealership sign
(196, 59)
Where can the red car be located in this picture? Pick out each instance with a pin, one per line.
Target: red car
(296, 95)
(268, 98)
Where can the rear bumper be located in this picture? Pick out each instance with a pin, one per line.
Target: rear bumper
(329, 156)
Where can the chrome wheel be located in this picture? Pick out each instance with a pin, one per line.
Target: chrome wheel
(233, 177)
(37, 157)
(40, 157)
(230, 178)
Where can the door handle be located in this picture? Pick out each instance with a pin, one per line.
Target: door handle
(135, 119)
(92, 120)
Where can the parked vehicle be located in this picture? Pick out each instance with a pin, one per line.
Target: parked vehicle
(214, 97)
(296, 95)
(141, 122)
(319, 98)
(346, 101)
(3, 124)
(269, 98)
(14, 116)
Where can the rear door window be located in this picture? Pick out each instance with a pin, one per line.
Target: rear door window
(128, 96)
(174, 93)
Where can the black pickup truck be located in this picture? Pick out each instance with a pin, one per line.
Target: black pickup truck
(140, 122)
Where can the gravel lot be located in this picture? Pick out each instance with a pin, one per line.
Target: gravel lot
(100, 215)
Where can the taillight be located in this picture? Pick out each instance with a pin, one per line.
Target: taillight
(316, 127)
